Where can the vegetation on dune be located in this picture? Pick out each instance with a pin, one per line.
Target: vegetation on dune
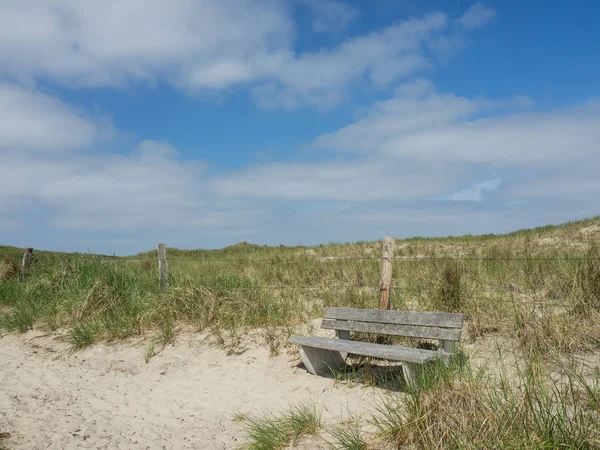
(530, 284)
(276, 432)
(348, 436)
(536, 290)
(473, 410)
(3, 437)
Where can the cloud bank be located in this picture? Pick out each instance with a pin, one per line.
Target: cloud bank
(420, 161)
(211, 45)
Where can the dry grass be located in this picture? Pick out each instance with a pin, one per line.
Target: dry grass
(9, 270)
(348, 437)
(274, 432)
(536, 290)
(3, 437)
(475, 411)
(502, 284)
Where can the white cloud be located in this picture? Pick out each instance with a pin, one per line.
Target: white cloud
(399, 117)
(209, 45)
(474, 193)
(415, 89)
(330, 15)
(523, 139)
(574, 182)
(378, 184)
(48, 168)
(30, 120)
(355, 181)
(85, 42)
(476, 16)
(443, 127)
(381, 57)
(59, 167)
(142, 188)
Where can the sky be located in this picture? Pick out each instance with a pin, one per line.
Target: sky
(203, 123)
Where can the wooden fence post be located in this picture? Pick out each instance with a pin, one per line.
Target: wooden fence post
(385, 282)
(26, 262)
(163, 271)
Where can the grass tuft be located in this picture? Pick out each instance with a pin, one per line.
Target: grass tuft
(267, 433)
(166, 334)
(303, 419)
(477, 412)
(9, 270)
(347, 438)
(277, 432)
(83, 335)
(450, 291)
(21, 318)
(3, 437)
(150, 352)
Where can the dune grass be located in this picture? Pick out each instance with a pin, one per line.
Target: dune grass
(275, 432)
(348, 437)
(474, 410)
(532, 288)
(537, 290)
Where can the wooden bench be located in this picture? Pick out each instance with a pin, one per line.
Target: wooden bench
(323, 355)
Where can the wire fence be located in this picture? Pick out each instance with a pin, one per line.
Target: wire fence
(292, 285)
(321, 259)
(334, 259)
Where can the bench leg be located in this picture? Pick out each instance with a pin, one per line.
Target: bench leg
(343, 334)
(409, 374)
(321, 362)
(448, 347)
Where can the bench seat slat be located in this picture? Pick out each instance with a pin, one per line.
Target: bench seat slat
(449, 334)
(428, 319)
(393, 353)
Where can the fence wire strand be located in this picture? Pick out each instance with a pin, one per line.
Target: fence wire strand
(315, 287)
(396, 258)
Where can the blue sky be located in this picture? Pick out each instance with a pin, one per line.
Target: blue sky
(202, 123)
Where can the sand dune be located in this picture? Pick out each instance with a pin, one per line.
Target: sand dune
(187, 396)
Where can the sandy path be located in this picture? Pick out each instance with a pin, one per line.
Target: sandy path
(185, 397)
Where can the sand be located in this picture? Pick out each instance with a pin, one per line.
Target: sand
(187, 396)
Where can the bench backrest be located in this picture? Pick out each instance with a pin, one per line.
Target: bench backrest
(429, 325)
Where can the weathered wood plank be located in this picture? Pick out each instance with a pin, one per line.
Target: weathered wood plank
(385, 281)
(448, 346)
(447, 334)
(319, 361)
(427, 319)
(163, 270)
(410, 376)
(393, 353)
(26, 262)
(343, 334)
